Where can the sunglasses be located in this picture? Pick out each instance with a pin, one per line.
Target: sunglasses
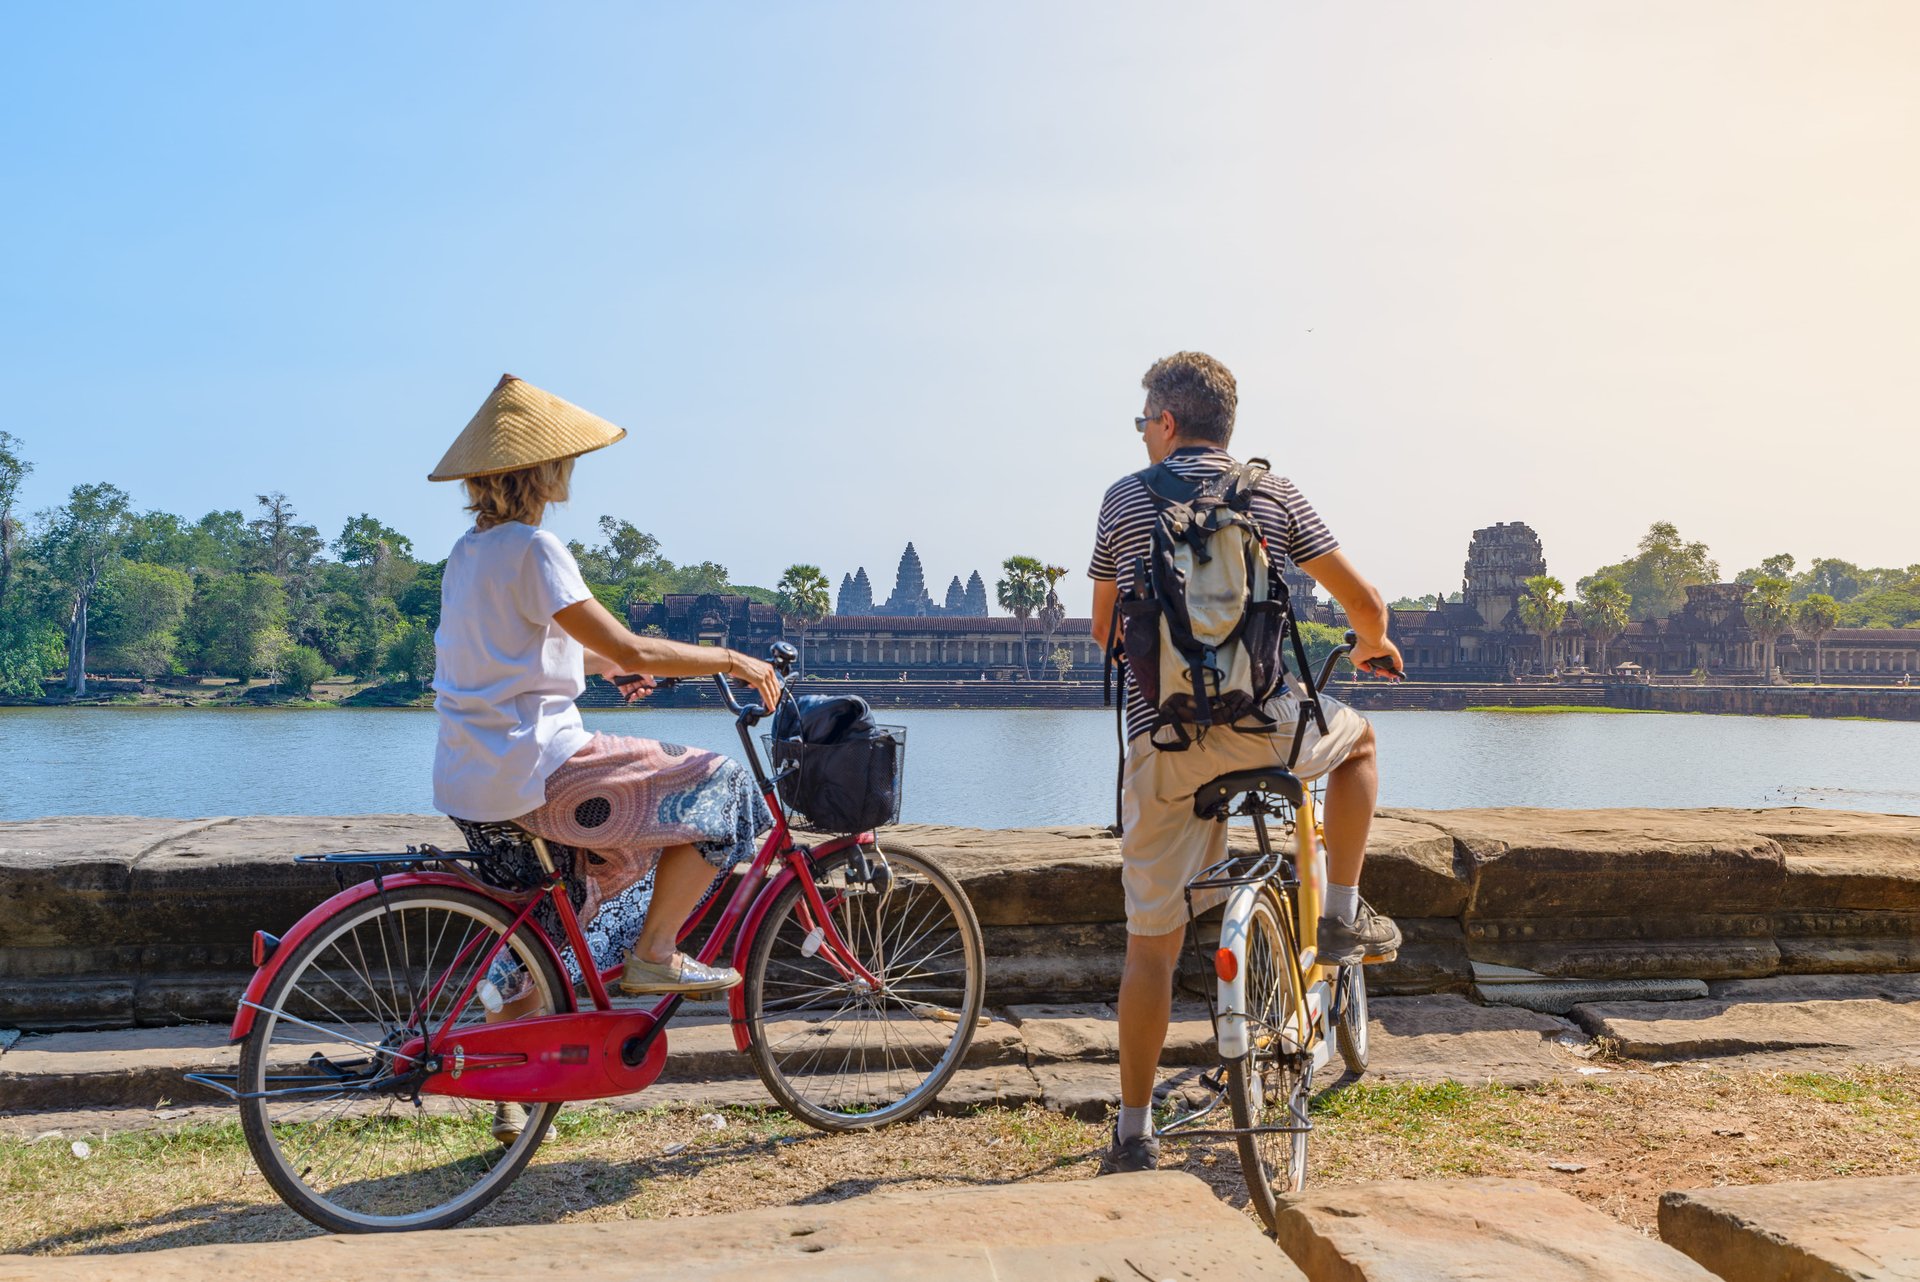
(1140, 422)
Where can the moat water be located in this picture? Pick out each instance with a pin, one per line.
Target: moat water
(977, 768)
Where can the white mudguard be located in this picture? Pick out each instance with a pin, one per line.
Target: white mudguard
(1230, 1024)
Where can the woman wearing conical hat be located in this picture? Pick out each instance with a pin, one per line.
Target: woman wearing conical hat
(519, 631)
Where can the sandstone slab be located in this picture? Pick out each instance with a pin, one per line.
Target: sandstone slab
(1863, 1018)
(1448, 1038)
(1438, 1230)
(1157, 1225)
(1863, 1230)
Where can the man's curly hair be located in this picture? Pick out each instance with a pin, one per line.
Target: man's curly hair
(1198, 390)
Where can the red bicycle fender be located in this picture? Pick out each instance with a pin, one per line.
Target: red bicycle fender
(749, 929)
(257, 986)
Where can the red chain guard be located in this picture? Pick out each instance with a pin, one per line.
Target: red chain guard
(549, 1059)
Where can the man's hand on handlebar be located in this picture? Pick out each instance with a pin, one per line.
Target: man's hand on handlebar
(634, 687)
(1378, 659)
(758, 674)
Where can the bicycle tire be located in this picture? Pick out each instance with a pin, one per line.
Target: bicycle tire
(792, 994)
(1350, 1033)
(286, 993)
(1268, 1086)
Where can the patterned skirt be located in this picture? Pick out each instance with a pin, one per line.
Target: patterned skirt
(620, 802)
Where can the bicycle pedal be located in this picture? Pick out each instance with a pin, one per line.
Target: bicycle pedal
(1374, 959)
(1212, 1080)
(940, 1014)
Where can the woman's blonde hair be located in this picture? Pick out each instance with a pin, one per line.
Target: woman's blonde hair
(521, 495)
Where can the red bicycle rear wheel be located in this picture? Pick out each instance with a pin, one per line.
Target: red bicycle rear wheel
(331, 1125)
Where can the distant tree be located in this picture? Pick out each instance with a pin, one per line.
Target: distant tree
(410, 656)
(1543, 609)
(1779, 566)
(1051, 613)
(708, 576)
(237, 624)
(285, 546)
(1830, 576)
(1604, 614)
(80, 542)
(300, 667)
(13, 471)
(1813, 619)
(1062, 661)
(1415, 603)
(364, 540)
(1659, 573)
(1768, 615)
(1022, 592)
(141, 608)
(802, 601)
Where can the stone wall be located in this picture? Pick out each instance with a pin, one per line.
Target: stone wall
(115, 921)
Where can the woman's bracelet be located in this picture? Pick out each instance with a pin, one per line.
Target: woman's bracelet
(729, 668)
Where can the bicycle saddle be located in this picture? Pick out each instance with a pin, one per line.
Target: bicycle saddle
(1214, 799)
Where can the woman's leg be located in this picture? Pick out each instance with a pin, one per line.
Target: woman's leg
(679, 880)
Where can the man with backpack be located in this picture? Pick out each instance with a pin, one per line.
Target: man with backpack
(1186, 569)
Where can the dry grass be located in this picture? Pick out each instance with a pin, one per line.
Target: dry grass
(1635, 1134)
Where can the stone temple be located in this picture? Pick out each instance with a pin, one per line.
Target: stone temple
(910, 598)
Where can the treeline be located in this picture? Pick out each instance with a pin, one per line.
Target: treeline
(95, 586)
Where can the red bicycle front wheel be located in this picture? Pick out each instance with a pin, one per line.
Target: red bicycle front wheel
(840, 1053)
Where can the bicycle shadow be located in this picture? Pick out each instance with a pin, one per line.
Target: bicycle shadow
(202, 1224)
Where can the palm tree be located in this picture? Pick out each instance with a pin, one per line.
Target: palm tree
(802, 601)
(1816, 617)
(1022, 592)
(1768, 615)
(1604, 613)
(1543, 608)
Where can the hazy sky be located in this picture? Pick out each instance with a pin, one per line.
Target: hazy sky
(852, 274)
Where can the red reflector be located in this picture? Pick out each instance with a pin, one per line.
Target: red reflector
(1226, 965)
(264, 946)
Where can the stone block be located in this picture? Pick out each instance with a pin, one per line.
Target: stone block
(1842, 860)
(1438, 1230)
(1813, 941)
(1054, 962)
(1025, 876)
(1702, 946)
(1051, 1034)
(1412, 870)
(1754, 1020)
(1558, 997)
(1448, 1038)
(1432, 959)
(1522, 863)
(1158, 1224)
(1860, 1230)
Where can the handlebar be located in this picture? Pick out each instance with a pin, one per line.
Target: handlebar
(1373, 667)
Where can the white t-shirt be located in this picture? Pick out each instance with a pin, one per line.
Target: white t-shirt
(507, 675)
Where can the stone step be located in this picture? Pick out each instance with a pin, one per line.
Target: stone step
(1162, 1224)
(1862, 1230)
(1843, 1018)
(1443, 1230)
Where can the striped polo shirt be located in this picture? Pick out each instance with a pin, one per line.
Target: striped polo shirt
(1124, 535)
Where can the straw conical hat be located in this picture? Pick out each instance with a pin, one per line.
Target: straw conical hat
(519, 426)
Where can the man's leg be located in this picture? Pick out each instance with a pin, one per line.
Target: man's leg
(1348, 929)
(1145, 1006)
(1352, 789)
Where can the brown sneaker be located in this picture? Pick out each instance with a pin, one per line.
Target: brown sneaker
(1371, 938)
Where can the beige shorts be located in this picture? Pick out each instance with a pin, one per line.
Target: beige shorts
(1163, 844)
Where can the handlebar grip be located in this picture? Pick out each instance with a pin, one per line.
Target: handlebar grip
(1353, 638)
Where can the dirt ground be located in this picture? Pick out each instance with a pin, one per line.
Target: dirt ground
(1623, 1137)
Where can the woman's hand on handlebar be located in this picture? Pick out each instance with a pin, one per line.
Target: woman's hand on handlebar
(1378, 659)
(758, 674)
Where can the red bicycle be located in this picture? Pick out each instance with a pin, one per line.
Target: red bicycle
(380, 1033)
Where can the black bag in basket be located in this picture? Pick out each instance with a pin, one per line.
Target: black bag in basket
(838, 771)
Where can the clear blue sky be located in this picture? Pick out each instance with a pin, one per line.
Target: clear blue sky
(852, 274)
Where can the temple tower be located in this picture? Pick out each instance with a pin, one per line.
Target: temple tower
(976, 597)
(856, 595)
(1500, 560)
(956, 598)
(909, 588)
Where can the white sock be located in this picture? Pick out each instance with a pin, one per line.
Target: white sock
(1135, 1121)
(1343, 903)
